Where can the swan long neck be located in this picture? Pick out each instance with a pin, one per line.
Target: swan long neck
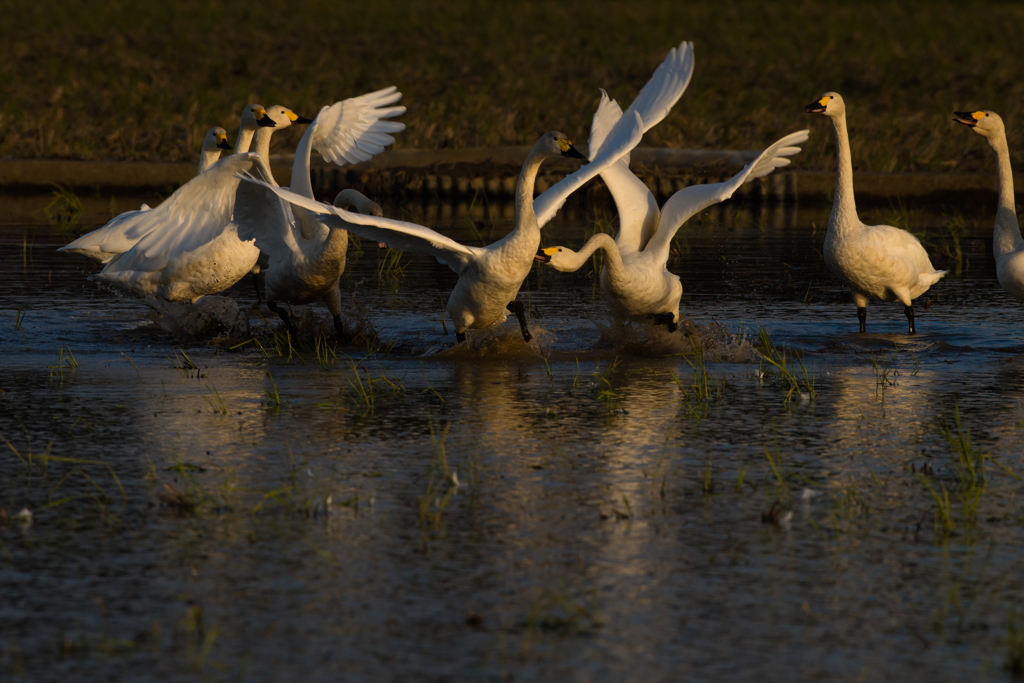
(1006, 238)
(261, 143)
(844, 208)
(301, 182)
(602, 240)
(208, 157)
(244, 140)
(526, 184)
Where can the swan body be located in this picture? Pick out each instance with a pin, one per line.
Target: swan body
(489, 277)
(636, 281)
(874, 261)
(125, 230)
(304, 259)
(1007, 244)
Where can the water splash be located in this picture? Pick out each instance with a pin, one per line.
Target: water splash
(213, 320)
(500, 342)
(647, 339)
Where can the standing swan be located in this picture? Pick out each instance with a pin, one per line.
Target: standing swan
(877, 261)
(489, 277)
(1007, 244)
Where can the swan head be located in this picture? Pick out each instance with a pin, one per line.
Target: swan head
(217, 138)
(351, 199)
(284, 117)
(255, 116)
(983, 122)
(830, 104)
(557, 144)
(556, 257)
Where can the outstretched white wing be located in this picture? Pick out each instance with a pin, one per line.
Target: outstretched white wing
(397, 234)
(355, 129)
(116, 237)
(689, 200)
(624, 136)
(636, 205)
(195, 214)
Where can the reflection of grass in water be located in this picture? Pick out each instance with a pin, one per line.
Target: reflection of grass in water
(557, 611)
(442, 482)
(787, 370)
(64, 210)
(367, 390)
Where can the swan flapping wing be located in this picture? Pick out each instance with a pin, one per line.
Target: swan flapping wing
(264, 217)
(117, 236)
(689, 200)
(197, 213)
(625, 135)
(396, 234)
(355, 129)
(634, 202)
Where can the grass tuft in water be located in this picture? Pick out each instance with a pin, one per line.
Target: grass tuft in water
(791, 372)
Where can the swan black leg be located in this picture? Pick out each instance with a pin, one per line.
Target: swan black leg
(666, 319)
(862, 316)
(517, 308)
(909, 312)
(256, 286)
(460, 337)
(340, 332)
(272, 305)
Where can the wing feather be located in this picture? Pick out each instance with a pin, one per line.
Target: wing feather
(397, 234)
(355, 129)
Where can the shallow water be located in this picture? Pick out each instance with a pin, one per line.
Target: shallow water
(608, 522)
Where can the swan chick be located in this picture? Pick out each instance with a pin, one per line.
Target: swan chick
(874, 261)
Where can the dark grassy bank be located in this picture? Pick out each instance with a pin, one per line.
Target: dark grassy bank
(121, 81)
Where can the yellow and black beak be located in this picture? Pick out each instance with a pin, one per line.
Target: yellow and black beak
(568, 150)
(544, 255)
(223, 144)
(263, 119)
(300, 119)
(817, 106)
(968, 118)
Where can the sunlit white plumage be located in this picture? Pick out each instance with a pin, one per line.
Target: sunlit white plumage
(1007, 244)
(304, 258)
(125, 230)
(489, 277)
(874, 261)
(635, 279)
(201, 251)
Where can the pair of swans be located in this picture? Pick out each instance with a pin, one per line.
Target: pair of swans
(1007, 244)
(490, 277)
(635, 279)
(190, 247)
(874, 261)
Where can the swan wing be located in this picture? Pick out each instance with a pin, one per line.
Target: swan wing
(623, 137)
(355, 129)
(196, 214)
(636, 205)
(396, 234)
(116, 237)
(690, 200)
(264, 217)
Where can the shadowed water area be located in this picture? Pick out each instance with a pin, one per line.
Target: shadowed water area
(597, 505)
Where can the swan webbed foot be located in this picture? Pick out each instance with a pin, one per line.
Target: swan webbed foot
(909, 312)
(256, 285)
(283, 314)
(460, 337)
(517, 308)
(862, 316)
(339, 330)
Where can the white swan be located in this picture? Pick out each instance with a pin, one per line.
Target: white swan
(125, 230)
(489, 277)
(635, 279)
(877, 261)
(304, 259)
(1007, 244)
(204, 253)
